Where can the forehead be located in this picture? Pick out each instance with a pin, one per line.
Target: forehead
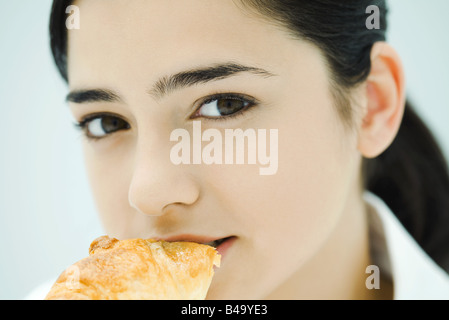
(119, 38)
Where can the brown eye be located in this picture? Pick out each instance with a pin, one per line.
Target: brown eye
(104, 125)
(229, 106)
(221, 107)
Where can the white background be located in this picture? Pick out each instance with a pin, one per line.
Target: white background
(47, 215)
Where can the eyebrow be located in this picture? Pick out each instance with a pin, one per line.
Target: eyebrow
(168, 84)
(92, 95)
(192, 77)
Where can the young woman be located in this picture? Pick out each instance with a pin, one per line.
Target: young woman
(358, 204)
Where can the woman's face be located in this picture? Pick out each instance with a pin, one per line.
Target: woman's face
(121, 63)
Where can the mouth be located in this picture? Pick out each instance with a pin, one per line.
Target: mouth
(217, 243)
(220, 244)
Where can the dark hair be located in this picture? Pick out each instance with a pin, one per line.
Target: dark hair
(411, 176)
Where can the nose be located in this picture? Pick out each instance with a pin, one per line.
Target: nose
(157, 184)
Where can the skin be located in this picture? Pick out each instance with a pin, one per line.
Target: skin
(300, 233)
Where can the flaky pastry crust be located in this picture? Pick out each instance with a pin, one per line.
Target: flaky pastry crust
(138, 269)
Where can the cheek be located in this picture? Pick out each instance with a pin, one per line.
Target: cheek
(288, 216)
(109, 180)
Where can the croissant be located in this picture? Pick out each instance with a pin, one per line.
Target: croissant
(138, 269)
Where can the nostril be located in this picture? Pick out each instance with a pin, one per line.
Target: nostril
(142, 203)
(154, 192)
(174, 204)
(144, 210)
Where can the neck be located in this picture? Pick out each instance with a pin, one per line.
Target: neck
(338, 270)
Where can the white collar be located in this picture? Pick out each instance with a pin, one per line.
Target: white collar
(414, 274)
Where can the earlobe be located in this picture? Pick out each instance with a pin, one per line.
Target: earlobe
(385, 101)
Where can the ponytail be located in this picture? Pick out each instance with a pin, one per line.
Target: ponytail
(411, 176)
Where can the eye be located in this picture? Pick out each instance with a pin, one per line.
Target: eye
(99, 126)
(226, 105)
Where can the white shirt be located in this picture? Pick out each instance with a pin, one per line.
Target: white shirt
(414, 274)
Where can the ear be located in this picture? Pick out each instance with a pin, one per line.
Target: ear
(384, 101)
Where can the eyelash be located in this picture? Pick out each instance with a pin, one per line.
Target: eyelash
(82, 125)
(251, 102)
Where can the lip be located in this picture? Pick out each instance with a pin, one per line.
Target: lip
(191, 238)
(222, 248)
